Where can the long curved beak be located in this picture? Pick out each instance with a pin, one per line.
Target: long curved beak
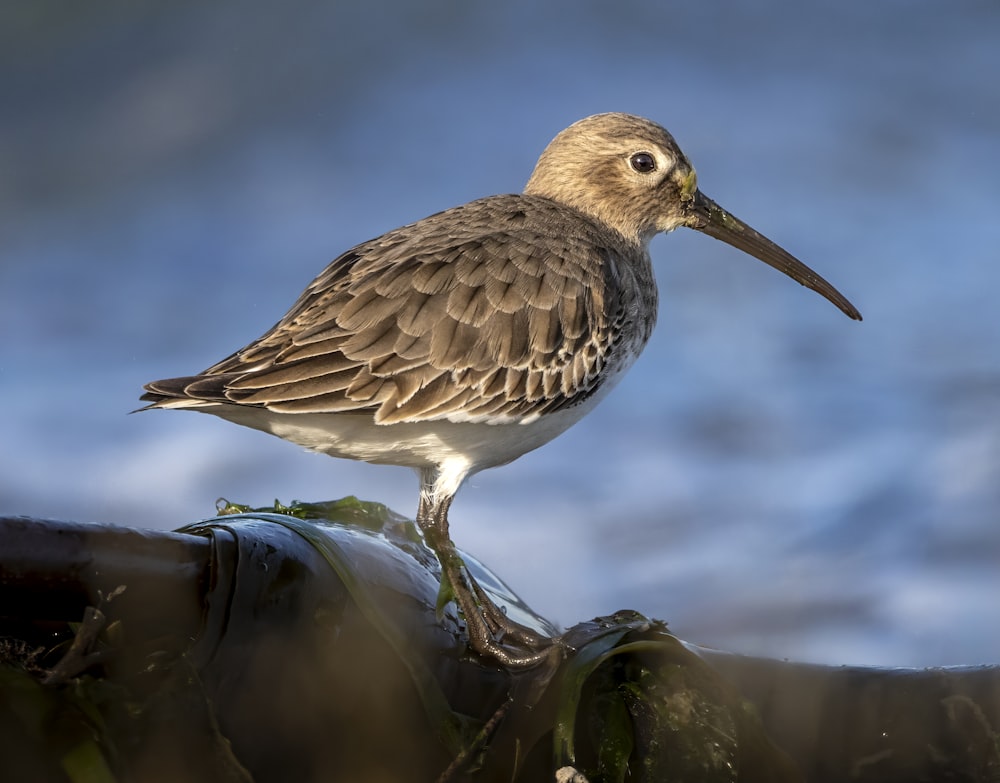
(708, 217)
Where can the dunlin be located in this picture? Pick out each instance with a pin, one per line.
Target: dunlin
(470, 337)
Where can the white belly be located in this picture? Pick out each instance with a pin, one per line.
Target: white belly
(417, 445)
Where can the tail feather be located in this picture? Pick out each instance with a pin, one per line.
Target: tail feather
(190, 391)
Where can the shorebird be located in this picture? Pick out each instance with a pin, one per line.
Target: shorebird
(466, 339)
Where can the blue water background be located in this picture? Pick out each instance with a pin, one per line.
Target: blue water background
(770, 478)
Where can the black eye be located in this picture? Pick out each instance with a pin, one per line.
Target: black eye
(643, 162)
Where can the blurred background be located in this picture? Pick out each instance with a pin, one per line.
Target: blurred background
(771, 478)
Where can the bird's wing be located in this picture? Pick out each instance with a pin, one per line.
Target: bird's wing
(501, 308)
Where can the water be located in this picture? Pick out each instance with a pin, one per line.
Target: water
(770, 478)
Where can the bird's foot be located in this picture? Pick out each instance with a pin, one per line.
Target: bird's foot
(503, 627)
(492, 634)
(513, 658)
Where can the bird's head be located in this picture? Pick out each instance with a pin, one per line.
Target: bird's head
(628, 173)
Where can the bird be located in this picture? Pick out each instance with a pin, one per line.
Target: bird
(466, 339)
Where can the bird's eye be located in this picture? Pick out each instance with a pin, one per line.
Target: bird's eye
(642, 162)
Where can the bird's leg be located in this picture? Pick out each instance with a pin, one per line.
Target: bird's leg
(486, 623)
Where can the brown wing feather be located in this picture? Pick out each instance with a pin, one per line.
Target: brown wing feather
(505, 306)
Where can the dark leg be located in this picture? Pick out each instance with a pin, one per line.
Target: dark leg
(486, 623)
